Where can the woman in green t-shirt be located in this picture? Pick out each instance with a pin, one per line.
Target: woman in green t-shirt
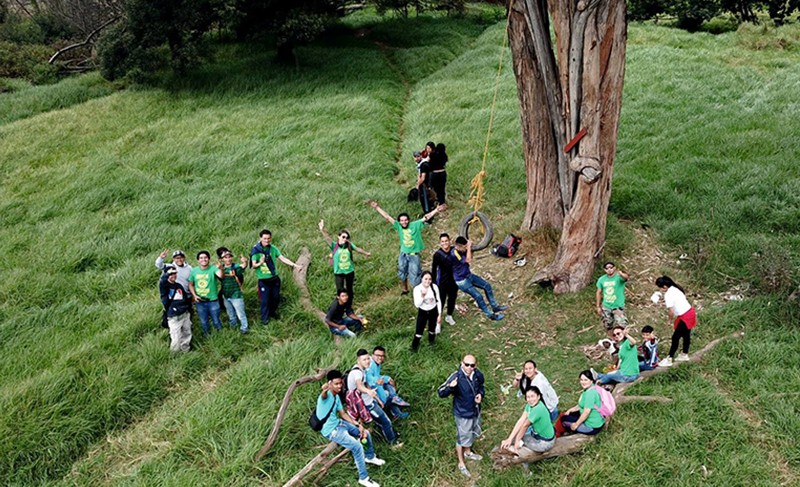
(533, 429)
(584, 418)
(342, 259)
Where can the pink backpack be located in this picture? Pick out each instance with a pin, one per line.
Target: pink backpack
(607, 403)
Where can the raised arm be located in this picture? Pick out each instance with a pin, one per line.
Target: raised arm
(324, 233)
(160, 259)
(450, 386)
(380, 210)
(469, 251)
(431, 214)
(623, 275)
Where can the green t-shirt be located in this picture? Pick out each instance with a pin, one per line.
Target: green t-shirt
(589, 399)
(539, 417)
(613, 291)
(205, 282)
(342, 259)
(411, 237)
(628, 358)
(263, 271)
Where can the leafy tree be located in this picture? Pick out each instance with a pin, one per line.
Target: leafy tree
(780, 9)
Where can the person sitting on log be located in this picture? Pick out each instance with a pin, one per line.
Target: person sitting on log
(357, 381)
(648, 360)
(585, 417)
(384, 385)
(533, 430)
(346, 432)
(628, 362)
(531, 376)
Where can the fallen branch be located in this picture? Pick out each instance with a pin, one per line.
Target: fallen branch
(300, 279)
(298, 477)
(88, 40)
(327, 465)
(285, 404)
(566, 445)
(625, 399)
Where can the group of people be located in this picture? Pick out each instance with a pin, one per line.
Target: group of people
(431, 184)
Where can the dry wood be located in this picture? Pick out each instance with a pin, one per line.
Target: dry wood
(86, 42)
(566, 445)
(300, 279)
(327, 465)
(298, 477)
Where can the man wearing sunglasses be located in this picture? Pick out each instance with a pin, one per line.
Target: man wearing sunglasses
(466, 387)
(628, 363)
(611, 296)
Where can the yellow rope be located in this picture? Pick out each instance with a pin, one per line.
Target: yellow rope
(476, 186)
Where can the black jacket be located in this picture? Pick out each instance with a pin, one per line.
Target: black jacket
(442, 270)
(174, 292)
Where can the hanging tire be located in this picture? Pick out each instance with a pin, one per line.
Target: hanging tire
(488, 230)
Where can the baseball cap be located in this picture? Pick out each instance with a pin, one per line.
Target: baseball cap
(172, 270)
(178, 253)
(417, 153)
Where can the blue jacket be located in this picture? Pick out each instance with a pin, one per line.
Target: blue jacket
(464, 393)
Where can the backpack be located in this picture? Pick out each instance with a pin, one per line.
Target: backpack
(508, 248)
(345, 376)
(316, 423)
(607, 403)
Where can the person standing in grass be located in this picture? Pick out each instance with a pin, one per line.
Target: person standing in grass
(340, 317)
(438, 179)
(423, 181)
(177, 304)
(409, 269)
(357, 381)
(466, 387)
(470, 283)
(611, 296)
(232, 297)
(342, 259)
(533, 377)
(585, 417)
(682, 316)
(204, 289)
(533, 429)
(384, 384)
(628, 363)
(345, 432)
(179, 263)
(429, 310)
(262, 257)
(442, 271)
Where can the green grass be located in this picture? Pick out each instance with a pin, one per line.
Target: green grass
(91, 396)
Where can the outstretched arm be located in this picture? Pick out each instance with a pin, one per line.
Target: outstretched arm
(431, 214)
(361, 251)
(288, 262)
(380, 210)
(324, 233)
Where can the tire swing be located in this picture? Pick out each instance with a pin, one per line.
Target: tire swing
(475, 220)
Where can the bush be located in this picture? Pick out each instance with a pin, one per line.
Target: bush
(772, 269)
(25, 61)
(767, 37)
(21, 31)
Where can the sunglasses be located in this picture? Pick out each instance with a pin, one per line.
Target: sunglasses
(469, 365)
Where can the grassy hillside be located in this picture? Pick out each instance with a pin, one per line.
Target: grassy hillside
(91, 396)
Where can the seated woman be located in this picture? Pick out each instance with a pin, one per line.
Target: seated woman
(534, 430)
(585, 417)
(532, 376)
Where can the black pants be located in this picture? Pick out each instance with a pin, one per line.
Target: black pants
(425, 318)
(439, 183)
(681, 331)
(269, 293)
(345, 281)
(423, 199)
(449, 293)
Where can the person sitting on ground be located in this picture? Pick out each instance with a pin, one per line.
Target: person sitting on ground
(466, 387)
(384, 385)
(438, 178)
(346, 432)
(232, 297)
(530, 377)
(342, 259)
(179, 263)
(628, 363)
(357, 381)
(429, 310)
(177, 304)
(262, 258)
(409, 269)
(585, 417)
(468, 282)
(442, 271)
(611, 296)
(205, 291)
(684, 317)
(340, 318)
(533, 429)
(648, 360)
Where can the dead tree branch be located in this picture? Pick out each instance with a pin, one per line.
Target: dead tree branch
(89, 39)
(298, 477)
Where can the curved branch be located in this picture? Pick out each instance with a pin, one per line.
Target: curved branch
(298, 477)
(300, 279)
(84, 43)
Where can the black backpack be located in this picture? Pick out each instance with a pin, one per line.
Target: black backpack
(508, 248)
(345, 376)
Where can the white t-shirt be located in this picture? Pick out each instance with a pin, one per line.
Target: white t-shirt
(549, 395)
(352, 377)
(431, 299)
(676, 300)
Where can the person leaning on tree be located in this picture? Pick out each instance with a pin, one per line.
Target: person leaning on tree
(466, 387)
(262, 259)
(611, 296)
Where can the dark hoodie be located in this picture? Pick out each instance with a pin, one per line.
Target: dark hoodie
(174, 292)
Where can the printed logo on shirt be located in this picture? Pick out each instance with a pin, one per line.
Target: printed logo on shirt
(344, 260)
(202, 284)
(608, 292)
(408, 238)
(178, 295)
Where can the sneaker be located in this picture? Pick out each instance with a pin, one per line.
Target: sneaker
(402, 415)
(404, 293)
(496, 317)
(244, 332)
(375, 461)
(368, 482)
(499, 309)
(667, 362)
(449, 319)
(400, 402)
(438, 328)
(397, 445)
(464, 471)
(473, 456)
(682, 357)
(594, 374)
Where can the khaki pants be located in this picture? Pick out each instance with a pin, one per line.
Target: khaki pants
(180, 332)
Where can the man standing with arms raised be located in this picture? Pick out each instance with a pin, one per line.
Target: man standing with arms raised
(466, 387)
(262, 258)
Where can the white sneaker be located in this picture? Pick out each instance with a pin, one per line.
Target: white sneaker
(682, 357)
(464, 471)
(438, 328)
(449, 319)
(473, 456)
(368, 482)
(375, 461)
(667, 362)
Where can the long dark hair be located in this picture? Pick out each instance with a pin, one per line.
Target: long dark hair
(668, 282)
(441, 153)
(534, 389)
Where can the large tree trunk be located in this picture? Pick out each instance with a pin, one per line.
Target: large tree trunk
(579, 89)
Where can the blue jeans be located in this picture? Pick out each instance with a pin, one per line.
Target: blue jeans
(471, 284)
(383, 421)
(568, 420)
(206, 309)
(408, 267)
(349, 323)
(643, 366)
(554, 415)
(616, 376)
(386, 393)
(235, 308)
(269, 292)
(346, 435)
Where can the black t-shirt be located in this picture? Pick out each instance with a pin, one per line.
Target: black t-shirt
(438, 161)
(337, 312)
(425, 168)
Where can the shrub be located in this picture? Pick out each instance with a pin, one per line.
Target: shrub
(772, 269)
(21, 31)
(25, 61)
(766, 37)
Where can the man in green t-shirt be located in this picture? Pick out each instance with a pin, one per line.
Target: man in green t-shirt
(611, 296)
(204, 289)
(409, 268)
(628, 363)
(262, 258)
(232, 297)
